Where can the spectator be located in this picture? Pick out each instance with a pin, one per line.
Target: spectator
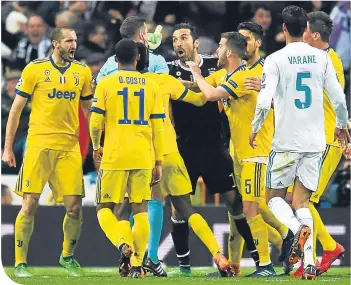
(7, 97)
(262, 15)
(6, 196)
(34, 45)
(66, 19)
(95, 61)
(96, 41)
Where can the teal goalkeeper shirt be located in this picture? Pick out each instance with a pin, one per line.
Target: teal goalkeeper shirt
(157, 64)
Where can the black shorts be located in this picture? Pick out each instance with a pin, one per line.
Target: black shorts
(213, 164)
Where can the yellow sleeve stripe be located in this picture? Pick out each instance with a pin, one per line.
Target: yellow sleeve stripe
(183, 94)
(97, 110)
(158, 116)
(230, 91)
(21, 93)
(89, 97)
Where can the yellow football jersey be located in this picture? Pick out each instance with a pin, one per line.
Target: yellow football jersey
(240, 108)
(129, 101)
(55, 93)
(172, 88)
(329, 112)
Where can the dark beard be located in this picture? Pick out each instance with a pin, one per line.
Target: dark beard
(64, 55)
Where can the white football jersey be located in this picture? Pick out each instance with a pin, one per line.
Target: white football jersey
(295, 77)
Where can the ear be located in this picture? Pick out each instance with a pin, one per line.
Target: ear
(116, 59)
(196, 44)
(54, 43)
(284, 28)
(316, 36)
(259, 43)
(138, 57)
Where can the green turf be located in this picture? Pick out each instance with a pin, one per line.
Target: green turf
(108, 275)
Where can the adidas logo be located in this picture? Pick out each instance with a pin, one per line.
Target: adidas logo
(47, 79)
(107, 196)
(280, 184)
(265, 273)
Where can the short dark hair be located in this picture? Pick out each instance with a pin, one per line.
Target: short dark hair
(193, 31)
(126, 51)
(260, 6)
(321, 23)
(92, 28)
(295, 20)
(254, 28)
(131, 26)
(236, 42)
(56, 34)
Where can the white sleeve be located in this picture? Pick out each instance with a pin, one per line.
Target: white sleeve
(336, 95)
(270, 78)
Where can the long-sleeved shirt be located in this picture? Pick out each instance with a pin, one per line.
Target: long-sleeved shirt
(295, 77)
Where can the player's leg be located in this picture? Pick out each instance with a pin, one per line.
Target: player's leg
(252, 176)
(155, 216)
(280, 174)
(180, 229)
(219, 178)
(331, 249)
(235, 245)
(308, 172)
(200, 227)
(66, 183)
(139, 193)
(33, 175)
(110, 190)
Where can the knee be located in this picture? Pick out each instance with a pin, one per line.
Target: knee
(299, 202)
(29, 204)
(250, 209)
(74, 211)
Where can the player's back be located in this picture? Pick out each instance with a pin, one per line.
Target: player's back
(298, 101)
(129, 105)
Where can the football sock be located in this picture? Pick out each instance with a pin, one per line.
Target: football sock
(141, 232)
(305, 217)
(203, 231)
(125, 235)
(235, 242)
(283, 212)
(274, 237)
(155, 215)
(180, 236)
(109, 224)
(244, 230)
(327, 242)
(272, 221)
(260, 235)
(23, 231)
(71, 233)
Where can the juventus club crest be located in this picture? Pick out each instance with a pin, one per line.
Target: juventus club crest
(76, 78)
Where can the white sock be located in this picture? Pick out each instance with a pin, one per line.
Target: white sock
(305, 217)
(283, 212)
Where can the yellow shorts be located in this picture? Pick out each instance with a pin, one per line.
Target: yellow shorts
(175, 178)
(330, 161)
(112, 185)
(249, 177)
(62, 169)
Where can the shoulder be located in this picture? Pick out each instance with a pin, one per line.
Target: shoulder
(39, 61)
(76, 62)
(334, 56)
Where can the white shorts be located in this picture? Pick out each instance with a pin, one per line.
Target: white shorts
(283, 167)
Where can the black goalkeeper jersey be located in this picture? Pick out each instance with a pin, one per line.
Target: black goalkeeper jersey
(198, 126)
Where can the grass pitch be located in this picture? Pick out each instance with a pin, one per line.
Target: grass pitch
(109, 275)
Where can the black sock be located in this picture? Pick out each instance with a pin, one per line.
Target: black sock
(245, 232)
(180, 236)
(289, 235)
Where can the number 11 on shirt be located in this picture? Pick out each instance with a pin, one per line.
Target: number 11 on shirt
(140, 94)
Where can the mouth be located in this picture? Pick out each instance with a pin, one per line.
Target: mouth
(180, 52)
(71, 52)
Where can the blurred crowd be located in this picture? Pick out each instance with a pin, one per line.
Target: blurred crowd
(26, 27)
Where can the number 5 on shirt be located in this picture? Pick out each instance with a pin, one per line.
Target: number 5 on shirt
(303, 88)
